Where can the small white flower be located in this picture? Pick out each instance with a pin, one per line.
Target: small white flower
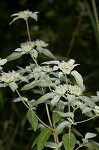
(40, 43)
(10, 77)
(96, 109)
(25, 47)
(61, 89)
(37, 69)
(24, 15)
(66, 67)
(75, 90)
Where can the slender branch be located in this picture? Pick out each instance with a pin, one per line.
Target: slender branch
(43, 122)
(22, 99)
(28, 32)
(96, 14)
(86, 119)
(48, 114)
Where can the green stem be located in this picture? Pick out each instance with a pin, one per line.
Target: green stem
(43, 122)
(86, 119)
(28, 32)
(96, 14)
(22, 99)
(79, 147)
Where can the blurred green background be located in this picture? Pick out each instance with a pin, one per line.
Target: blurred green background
(69, 28)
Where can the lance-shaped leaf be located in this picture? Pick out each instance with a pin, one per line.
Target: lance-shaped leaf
(69, 141)
(78, 78)
(88, 101)
(44, 98)
(55, 117)
(61, 126)
(90, 135)
(34, 83)
(13, 56)
(53, 145)
(45, 52)
(13, 86)
(20, 99)
(43, 137)
(68, 114)
(32, 119)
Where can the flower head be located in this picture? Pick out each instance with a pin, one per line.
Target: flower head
(24, 15)
(61, 89)
(9, 77)
(26, 47)
(75, 90)
(66, 67)
(40, 43)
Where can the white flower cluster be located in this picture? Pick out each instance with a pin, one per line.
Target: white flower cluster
(42, 68)
(96, 109)
(75, 90)
(66, 67)
(61, 89)
(9, 77)
(24, 15)
(40, 43)
(28, 46)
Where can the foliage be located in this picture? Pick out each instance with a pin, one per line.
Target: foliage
(58, 86)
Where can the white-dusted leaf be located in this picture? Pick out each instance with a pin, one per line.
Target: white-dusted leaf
(86, 109)
(32, 119)
(44, 98)
(13, 86)
(90, 135)
(20, 99)
(67, 114)
(69, 141)
(24, 79)
(61, 126)
(2, 61)
(88, 101)
(51, 145)
(13, 56)
(78, 78)
(34, 15)
(34, 83)
(43, 137)
(60, 74)
(46, 52)
(53, 62)
(55, 100)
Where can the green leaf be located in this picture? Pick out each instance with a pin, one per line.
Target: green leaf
(90, 135)
(45, 98)
(55, 117)
(55, 100)
(78, 78)
(88, 101)
(32, 119)
(69, 141)
(53, 145)
(43, 137)
(34, 83)
(61, 126)
(46, 52)
(13, 86)
(13, 56)
(20, 99)
(68, 114)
